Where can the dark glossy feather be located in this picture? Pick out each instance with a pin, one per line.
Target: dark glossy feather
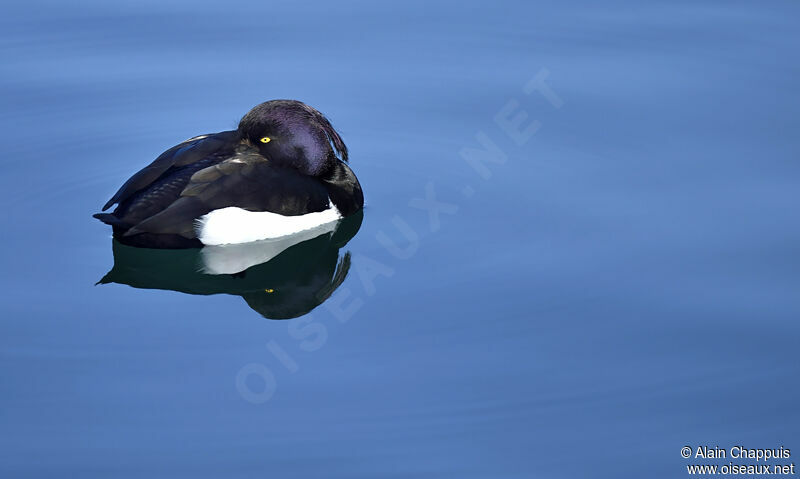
(246, 181)
(182, 154)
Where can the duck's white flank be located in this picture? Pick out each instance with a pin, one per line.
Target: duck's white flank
(234, 258)
(234, 225)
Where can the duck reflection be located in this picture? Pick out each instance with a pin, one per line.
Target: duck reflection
(280, 279)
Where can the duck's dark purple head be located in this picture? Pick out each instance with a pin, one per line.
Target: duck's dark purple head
(293, 134)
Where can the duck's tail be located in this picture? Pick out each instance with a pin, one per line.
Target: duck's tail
(110, 219)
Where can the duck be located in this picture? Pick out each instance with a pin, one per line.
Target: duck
(282, 171)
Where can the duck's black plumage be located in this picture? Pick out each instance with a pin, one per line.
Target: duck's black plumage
(300, 166)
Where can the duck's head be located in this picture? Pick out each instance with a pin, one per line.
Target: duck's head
(293, 134)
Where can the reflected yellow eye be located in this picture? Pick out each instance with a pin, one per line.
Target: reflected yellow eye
(266, 139)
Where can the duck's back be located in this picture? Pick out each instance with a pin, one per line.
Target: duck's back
(187, 153)
(155, 187)
(160, 194)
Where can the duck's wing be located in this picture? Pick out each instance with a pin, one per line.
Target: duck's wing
(188, 152)
(247, 181)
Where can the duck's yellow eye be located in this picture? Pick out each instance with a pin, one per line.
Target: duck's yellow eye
(266, 139)
(269, 290)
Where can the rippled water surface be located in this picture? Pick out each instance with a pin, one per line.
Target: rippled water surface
(579, 251)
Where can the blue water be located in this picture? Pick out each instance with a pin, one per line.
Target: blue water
(618, 278)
